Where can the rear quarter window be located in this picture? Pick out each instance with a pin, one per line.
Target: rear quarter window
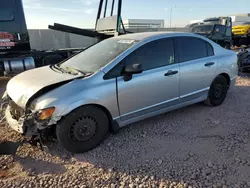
(210, 49)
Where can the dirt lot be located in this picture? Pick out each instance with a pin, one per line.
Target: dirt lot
(196, 146)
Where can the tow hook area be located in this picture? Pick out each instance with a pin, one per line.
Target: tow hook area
(43, 132)
(36, 141)
(33, 127)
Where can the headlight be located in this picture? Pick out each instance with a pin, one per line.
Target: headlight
(46, 113)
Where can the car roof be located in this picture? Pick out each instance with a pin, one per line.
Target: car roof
(145, 35)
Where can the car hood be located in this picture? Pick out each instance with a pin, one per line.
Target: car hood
(26, 84)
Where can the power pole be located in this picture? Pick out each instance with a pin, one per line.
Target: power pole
(171, 15)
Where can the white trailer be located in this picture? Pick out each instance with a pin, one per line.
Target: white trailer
(238, 20)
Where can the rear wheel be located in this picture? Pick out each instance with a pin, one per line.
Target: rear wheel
(83, 129)
(217, 92)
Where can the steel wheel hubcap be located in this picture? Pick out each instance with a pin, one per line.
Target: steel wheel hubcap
(218, 91)
(83, 129)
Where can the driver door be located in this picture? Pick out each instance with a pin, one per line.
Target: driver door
(153, 90)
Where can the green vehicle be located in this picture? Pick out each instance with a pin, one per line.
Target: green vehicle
(218, 29)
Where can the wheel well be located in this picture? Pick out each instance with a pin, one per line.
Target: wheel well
(113, 125)
(225, 75)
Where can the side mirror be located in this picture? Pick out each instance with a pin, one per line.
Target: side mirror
(130, 70)
(133, 69)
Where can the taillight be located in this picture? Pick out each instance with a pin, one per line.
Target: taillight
(6, 40)
(5, 35)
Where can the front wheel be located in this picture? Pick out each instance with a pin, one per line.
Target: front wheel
(83, 129)
(217, 92)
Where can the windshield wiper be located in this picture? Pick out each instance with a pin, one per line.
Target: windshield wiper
(75, 69)
(58, 68)
(71, 70)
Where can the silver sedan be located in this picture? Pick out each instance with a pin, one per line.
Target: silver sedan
(116, 82)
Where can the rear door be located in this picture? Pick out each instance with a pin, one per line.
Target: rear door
(197, 67)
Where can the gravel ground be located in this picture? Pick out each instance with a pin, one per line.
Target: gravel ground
(196, 146)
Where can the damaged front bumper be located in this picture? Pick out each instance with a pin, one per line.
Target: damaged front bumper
(13, 123)
(27, 124)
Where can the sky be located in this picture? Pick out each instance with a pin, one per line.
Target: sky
(82, 13)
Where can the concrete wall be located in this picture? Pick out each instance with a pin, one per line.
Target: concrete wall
(143, 23)
(136, 30)
(47, 39)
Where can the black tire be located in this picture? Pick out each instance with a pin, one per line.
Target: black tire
(243, 41)
(236, 42)
(1, 73)
(217, 92)
(1, 69)
(83, 129)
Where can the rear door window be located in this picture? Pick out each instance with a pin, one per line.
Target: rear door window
(220, 29)
(7, 10)
(191, 48)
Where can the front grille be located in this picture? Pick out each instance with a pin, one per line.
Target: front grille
(15, 110)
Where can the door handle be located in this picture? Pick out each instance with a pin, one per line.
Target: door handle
(209, 64)
(170, 72)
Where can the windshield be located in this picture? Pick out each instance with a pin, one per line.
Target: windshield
(7, 10)
(98, 55)
(202, 29)
(212, 21)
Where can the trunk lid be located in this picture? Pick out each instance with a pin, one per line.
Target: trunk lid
(26, 84)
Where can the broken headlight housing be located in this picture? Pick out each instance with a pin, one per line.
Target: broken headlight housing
(43, 116)
(46, 113)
